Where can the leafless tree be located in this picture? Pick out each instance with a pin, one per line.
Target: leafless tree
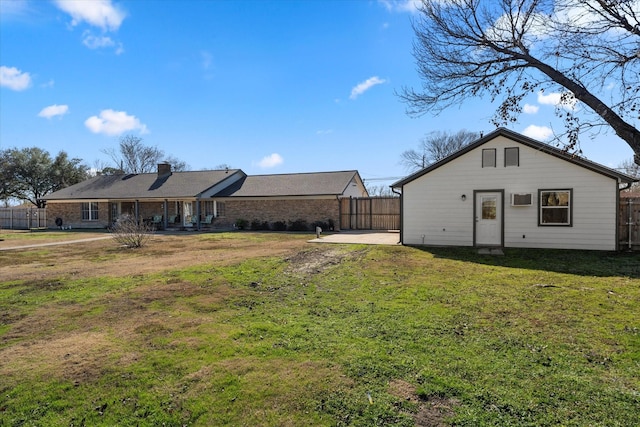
(632, 169)
(588, 50)
(133, 156)
(434, 147)
(379, 190)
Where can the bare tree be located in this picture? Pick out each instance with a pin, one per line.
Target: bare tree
(434, 147)
(176, 164)
(379, 190)
(632, 169)
(509, 49)
(133, 156)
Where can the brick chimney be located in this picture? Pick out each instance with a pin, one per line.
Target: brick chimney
(164, 169)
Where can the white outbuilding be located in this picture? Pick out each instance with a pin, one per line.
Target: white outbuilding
(508, 190)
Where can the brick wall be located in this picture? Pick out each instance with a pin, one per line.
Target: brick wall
(71, 214)
(310, 210)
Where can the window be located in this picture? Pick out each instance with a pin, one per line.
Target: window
(511, 156)
(207, 208)
(220, 209)
(489, 205)
(90, 211)
(213, 207)
(555, 207)
(489, 158)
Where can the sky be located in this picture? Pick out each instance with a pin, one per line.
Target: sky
(264, 86)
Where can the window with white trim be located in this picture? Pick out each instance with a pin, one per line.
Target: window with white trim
(221, 209)
(212, 207)
(90, 211)
(555, 207)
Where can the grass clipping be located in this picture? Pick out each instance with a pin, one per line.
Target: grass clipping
(131, 233)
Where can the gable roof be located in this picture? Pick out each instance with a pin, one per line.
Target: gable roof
(297, 184)
(536, 145)
(144, 185)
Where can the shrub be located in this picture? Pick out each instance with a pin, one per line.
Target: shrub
(131, 233)
(279, 226)
(299, 225)
(241, 224)
(258, 225)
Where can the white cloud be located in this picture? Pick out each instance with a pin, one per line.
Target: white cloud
(98, 13)
(271, 161)
(14, 79)
(530, 109)
(96, 42)
(324, 131)
(557, 99)
(401, 5)
(53, 110)
(361, 88)
(541, 133)
(14, 8)
(550, 99)
(113, 122)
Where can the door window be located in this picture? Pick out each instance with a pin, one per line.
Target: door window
(489, 204)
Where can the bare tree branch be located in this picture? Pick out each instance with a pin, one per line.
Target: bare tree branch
(509, 49)
(434, 147)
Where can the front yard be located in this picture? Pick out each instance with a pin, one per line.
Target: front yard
(267, 329)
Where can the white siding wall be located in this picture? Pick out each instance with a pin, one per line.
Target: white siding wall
(354, 189)
(433, 207)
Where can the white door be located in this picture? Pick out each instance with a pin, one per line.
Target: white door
(488, 219)
(187, 210)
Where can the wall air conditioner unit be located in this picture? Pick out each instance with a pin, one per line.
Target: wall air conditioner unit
(521, 199)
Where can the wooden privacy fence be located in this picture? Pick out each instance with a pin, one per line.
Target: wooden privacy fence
(370, 213)
(23, 218)
(629, 222)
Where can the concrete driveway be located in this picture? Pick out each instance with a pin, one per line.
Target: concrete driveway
(391, 237)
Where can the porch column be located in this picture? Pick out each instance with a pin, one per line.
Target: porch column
(165, 213)
(136, 209)
(198, 214)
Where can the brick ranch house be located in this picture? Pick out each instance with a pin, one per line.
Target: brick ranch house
(197, 199)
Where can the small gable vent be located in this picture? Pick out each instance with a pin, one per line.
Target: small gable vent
(521, 199)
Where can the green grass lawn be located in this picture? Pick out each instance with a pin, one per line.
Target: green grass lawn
(334, 335)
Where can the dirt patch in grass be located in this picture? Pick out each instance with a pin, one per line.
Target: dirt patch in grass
(163, 252)
(317, 260)
(431, 412)
(78, 357)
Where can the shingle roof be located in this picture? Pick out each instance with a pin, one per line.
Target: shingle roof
(546, 148)
(146, 185)
(299, 184)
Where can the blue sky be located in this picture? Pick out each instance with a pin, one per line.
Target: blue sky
(264, 86)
